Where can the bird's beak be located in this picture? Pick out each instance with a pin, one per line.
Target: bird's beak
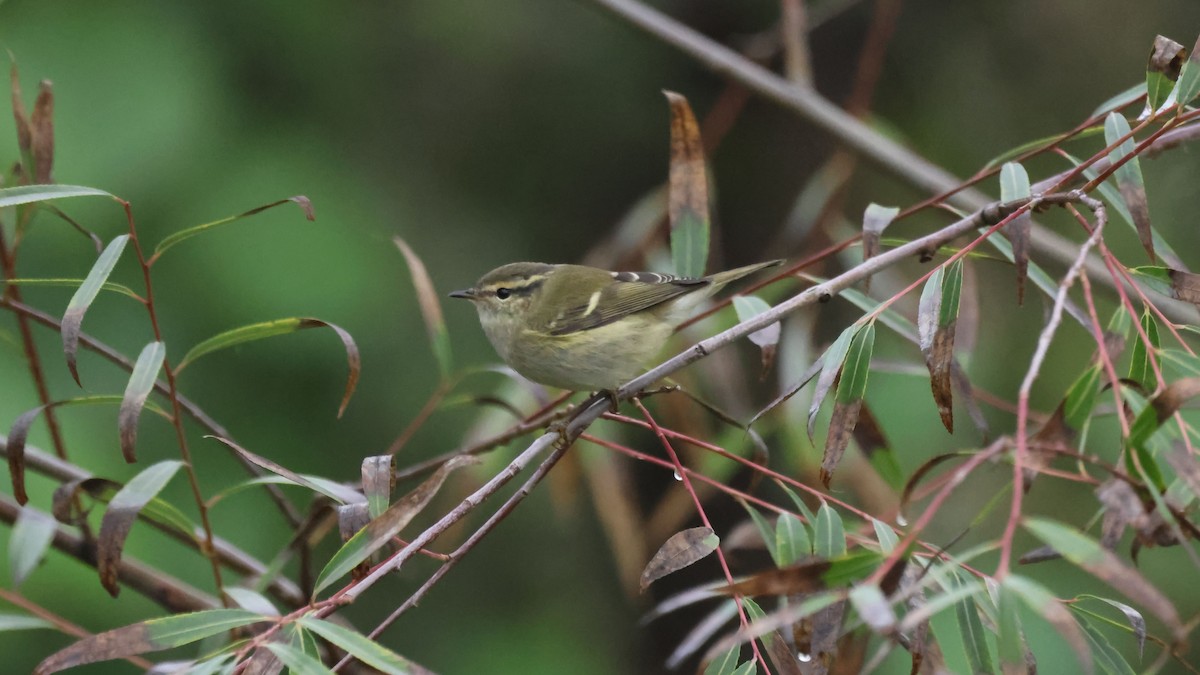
(466, 293)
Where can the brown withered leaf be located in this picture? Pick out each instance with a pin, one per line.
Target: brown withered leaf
(867, 433)
(1185, 286)
(43, 133)
(687, 177)
(938, 360)
(20, 114)
(1174, 396)
(1134, 195)
(378, 481)
(781, 656)
(1166, 57)
(841, 428)
(1018, 233)
(681, 550)
(262, 662)
(806, 577)
(824, 631)
(1055, 435)
(16, 452)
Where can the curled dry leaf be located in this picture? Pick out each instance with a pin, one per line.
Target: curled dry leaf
(875, 220)
(681, 550)
(82, 300)
(1162, 71)
(353, 358)
(378, 481)
(43, 133)
(118, 519)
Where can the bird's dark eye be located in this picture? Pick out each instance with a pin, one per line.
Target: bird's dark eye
(503, 293)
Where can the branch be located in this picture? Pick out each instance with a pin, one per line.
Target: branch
(876, 148)
(171, 593)
(229, 555)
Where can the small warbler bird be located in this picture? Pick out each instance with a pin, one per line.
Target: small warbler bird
(583, 328)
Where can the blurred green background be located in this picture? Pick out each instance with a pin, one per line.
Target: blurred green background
(481, 132)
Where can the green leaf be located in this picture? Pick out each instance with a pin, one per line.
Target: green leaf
(725, 663)
(974, 638)
(800, 505)
(765, 531)
(1047, 606)
(1141, 367)
(747, 668)
(689, 245)
(297, 661)
(252, 601)
(82, 300)
(28, 194)
(829, 535)
(266, 329)
(1010, 637)
(31, 537)
(886, 536)
(122, 511)
(183, 235)
(1128, 177)
(831, 365)
(1081, 397)
(1105, 566)
(853, 383)
(141, 382)
(1014, 182)
(359, 646)
(148, 636)
(11, 622)
(1107, 657)
(791, 540)
(75, 283)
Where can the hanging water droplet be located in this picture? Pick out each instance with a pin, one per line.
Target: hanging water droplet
(677, 476)
(804, 658)
(901, 520)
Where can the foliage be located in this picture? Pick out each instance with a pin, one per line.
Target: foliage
(840, 567)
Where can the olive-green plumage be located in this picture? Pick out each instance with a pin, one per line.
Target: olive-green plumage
(584, 328)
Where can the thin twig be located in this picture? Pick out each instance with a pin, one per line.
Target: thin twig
(1035, 367)
(230, 556)
(60, 623)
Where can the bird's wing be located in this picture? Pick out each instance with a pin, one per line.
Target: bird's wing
(634, 292)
